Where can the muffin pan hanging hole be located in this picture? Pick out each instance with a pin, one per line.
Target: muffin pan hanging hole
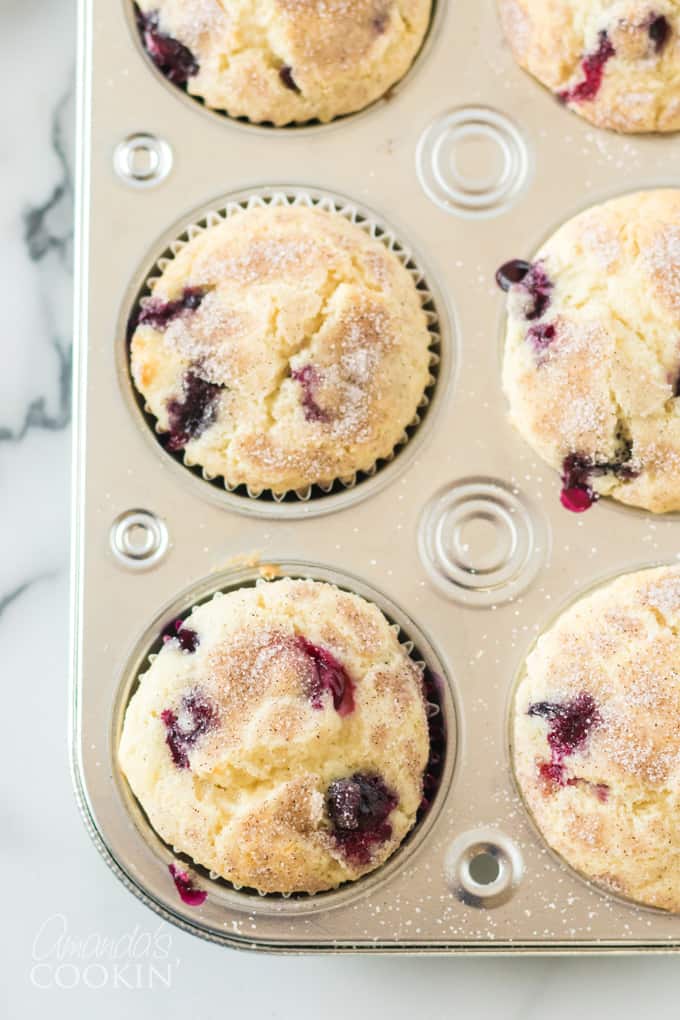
(139, 539)
(316, 499)
(179, 88)
(483, 868)
(142, 160)
(442, 720)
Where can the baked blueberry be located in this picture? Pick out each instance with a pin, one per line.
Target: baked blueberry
(528, 279)
(188, 892)
(309, 380)
(171, 57)
(570, 723)
(192, 413)
(186, 638)
(286, 76)
(327, 675)
(660, 32)
(358, 808)
(185, 726)
(592, 66)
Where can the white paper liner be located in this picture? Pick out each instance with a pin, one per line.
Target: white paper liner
(293, 197)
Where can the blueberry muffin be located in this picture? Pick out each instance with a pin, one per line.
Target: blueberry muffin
(282, 347)
(280, 737)
(615, 62)
(596, 736)
(592, 352)
(284, 61)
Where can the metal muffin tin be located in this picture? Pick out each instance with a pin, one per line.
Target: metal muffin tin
(460, 539)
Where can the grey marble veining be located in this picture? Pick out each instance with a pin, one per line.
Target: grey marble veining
(37, 232)
(53, 880)
(47, 233)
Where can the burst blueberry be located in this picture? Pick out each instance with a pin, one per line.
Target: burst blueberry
(187, 639)
(358, 808)
(309, 379)
(327, 675)
(570, 725)
(286, 76)
(541, 336)
(188, 892)
(659, 32)
(577, 494)
(436, 726)
(578, 471)
(183, 729)
(192, 413)
(593, 67)
(171, 57)
(533, 279)
(159, 313)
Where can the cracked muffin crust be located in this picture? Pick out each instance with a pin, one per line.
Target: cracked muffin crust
(283, 348)
(596, 736)
(280, 737)
(284, 61)
(615, 62)
(592, 352)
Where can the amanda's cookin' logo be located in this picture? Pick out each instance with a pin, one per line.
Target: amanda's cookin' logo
(133, 960)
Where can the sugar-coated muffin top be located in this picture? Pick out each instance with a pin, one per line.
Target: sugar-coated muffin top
(280, 737)
(596, 736)
(615, 62)
(284, 61)
(592, 352)
(283, 347)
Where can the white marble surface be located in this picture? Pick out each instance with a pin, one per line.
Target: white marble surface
(52, 877)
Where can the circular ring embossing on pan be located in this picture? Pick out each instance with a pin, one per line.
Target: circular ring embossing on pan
(482, 542)
(473, 162)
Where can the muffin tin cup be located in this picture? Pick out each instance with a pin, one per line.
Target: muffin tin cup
(224, 897)
(471, 163)
(332, 493)
(593, 586)
(197, 104)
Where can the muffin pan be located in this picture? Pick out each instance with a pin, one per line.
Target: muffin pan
(461, 539)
